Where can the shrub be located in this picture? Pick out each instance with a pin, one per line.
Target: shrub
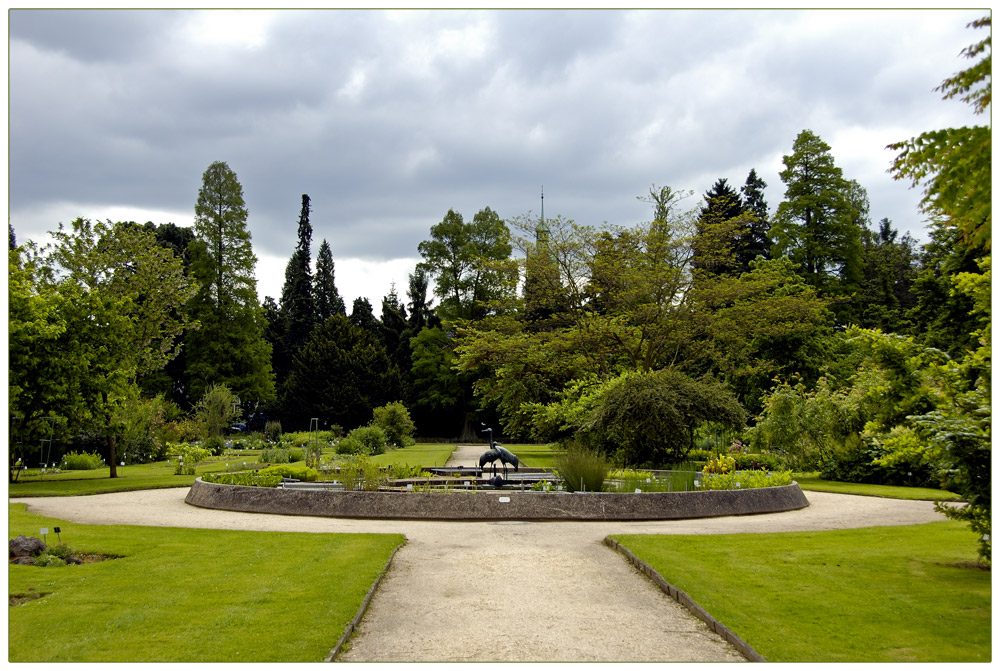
(214, 444)
(651, 418)
(372, 439)
(349, 445)
(62, 551)
(277, 455)
(81, 461)
(303, 473)
(745, 480)
(49, 560)
(360, 472)
(582, 469)
(272, 431)
(721, 464)
(245, 479)
(699, 455)
(394, 420)
(757, 462)
(188, 456)
(866, 465)
(217, 410)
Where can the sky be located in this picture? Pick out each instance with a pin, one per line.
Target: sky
(388, 119)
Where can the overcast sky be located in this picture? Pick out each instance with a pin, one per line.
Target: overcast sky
(388, 119)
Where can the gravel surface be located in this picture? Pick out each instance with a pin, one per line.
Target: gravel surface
(508, 591)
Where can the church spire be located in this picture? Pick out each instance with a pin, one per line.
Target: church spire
(542, 231)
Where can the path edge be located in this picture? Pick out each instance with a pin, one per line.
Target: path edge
(352, 625)
(690, 604)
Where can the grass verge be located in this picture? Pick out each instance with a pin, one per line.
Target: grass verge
(881, 594)
(190, 595)
(812, 481)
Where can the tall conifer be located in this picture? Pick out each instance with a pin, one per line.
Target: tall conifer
(229, 348)
(328, 300)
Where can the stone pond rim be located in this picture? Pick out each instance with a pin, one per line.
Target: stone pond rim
(495, 505)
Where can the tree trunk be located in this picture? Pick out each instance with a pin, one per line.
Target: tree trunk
(468, 431)
(113, 459)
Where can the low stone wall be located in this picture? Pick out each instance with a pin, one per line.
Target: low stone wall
(497, 504)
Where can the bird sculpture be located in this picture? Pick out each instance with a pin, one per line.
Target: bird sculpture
(506, 457)
(490, 456)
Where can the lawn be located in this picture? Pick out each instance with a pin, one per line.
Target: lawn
(535, 456)
(156, 475)
(161, 473)
(421, 454)
(812, 481)
(190, 595)
(882, 594)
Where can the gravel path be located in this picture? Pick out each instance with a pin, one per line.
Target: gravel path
(508, 591)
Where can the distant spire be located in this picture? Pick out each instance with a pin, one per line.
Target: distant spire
(542, 231)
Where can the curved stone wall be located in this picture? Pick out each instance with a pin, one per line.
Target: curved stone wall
(496, 504)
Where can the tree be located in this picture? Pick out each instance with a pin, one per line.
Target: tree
(650, 418)
(220, 217)
(230, 347)
(544, 293)
(394, 419)
(717, 237)
(421, 309)
(396, 333)
(941, 316)
(889, 267)
(470, 264)
(104, 306)
(765, 324)
(363, 317)
(756, 242)
(341, 373)
(437, 391)
(818, 223)
(328, 300)
(955, 164)
(298, 306)
(217, 410)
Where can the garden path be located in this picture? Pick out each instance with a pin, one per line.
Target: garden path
(508, 591)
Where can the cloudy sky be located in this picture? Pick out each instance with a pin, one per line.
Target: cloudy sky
(388, 119)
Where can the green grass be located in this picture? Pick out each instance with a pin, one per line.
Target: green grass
(140, 476)
(421, 454)
(190, 595)
(883, 594)
(812, 481)
(535, 456)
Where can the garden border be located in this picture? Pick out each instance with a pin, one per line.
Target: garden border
(493, 504)
(353, 624)
(681, 597)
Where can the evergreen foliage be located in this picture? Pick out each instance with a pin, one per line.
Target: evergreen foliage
(229, 348)
(818, 225)
(298, 306)
(341, 373)
(328, 299)
(890, 268)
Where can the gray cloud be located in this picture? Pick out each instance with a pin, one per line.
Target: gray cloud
(388, 119)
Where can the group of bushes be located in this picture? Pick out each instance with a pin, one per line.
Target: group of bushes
(391, 426)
